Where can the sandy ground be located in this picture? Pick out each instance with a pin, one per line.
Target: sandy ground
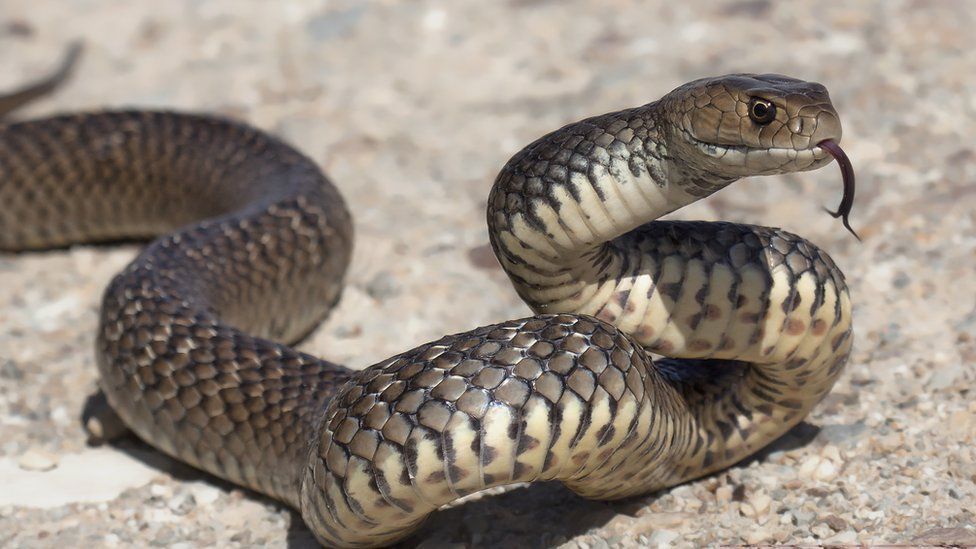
(412, 107)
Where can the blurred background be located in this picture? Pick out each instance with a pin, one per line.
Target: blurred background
(412, 107)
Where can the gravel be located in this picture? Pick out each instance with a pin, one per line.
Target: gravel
(412, 107)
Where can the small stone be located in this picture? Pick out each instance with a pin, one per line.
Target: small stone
(182, 504)
(9, 370)
(648, 522)
(758, 535)
(844, 538)
(821, 530)
(825, 471)
(483, 257)
(348, 332)
(760, 502)
(946, 537)
(747, 510)
(962, 422)
(36, 459)
(832, 453)
(204, 494)
(382, 286)
(809, 466)
(164, 536)
(723, 494)
(662, 538)
(836, 523)
(945, 376)
(160, 491)
(61, 416)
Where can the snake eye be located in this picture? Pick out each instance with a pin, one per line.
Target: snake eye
(761, 111)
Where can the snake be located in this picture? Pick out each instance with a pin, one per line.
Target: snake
(658, 352)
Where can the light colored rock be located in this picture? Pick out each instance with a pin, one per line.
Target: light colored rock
(723, 494)
(846, 537)
(36, 459)
(160, 491)
(99, 474)
(821, 530)
(808, 466)
(663, 538)
(760, 503)
(947, 536)
(182, 504)
(825, 471)
(203, 493)
(758, 535)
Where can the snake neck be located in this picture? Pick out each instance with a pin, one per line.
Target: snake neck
(563, 211)
(572, 221)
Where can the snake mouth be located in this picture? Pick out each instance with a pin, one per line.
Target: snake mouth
(775, 159)
(771, 160)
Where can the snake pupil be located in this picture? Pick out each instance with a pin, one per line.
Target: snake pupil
(762, 111)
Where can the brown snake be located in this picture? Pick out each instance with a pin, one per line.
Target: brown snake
(255, 243)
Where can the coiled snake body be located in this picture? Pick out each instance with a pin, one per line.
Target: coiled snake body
(255, 246)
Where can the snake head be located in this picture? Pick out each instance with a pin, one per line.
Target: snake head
(757, 124)
(752, 124)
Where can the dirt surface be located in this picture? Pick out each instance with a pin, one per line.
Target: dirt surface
(412, 108)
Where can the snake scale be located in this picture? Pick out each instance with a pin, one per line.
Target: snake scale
(193, 340)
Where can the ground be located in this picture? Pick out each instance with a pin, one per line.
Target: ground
(412, 108)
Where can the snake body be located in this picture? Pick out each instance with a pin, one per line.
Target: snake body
(192, 344)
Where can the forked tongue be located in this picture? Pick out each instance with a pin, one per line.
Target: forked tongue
(847, 171)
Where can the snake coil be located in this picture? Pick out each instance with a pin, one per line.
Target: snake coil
(255, 243)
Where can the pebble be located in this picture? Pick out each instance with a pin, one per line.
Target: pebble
(818, 468)
(825, 471)
(760, 503)
(160, 491)
(182, 504)
(832, 453)
(844, 538)
(204, 493)
(36, 459)
(803, 516)
(662, 538)
(758, 535)
(947, 537)
(724, 493)
(821, 530)
(648, 522)
(10, 370)
(835, 522)
(382, 286)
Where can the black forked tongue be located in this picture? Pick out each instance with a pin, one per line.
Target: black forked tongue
(847, 171)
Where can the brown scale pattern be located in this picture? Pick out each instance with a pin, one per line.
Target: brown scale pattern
(551, 361)
(254, 249)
